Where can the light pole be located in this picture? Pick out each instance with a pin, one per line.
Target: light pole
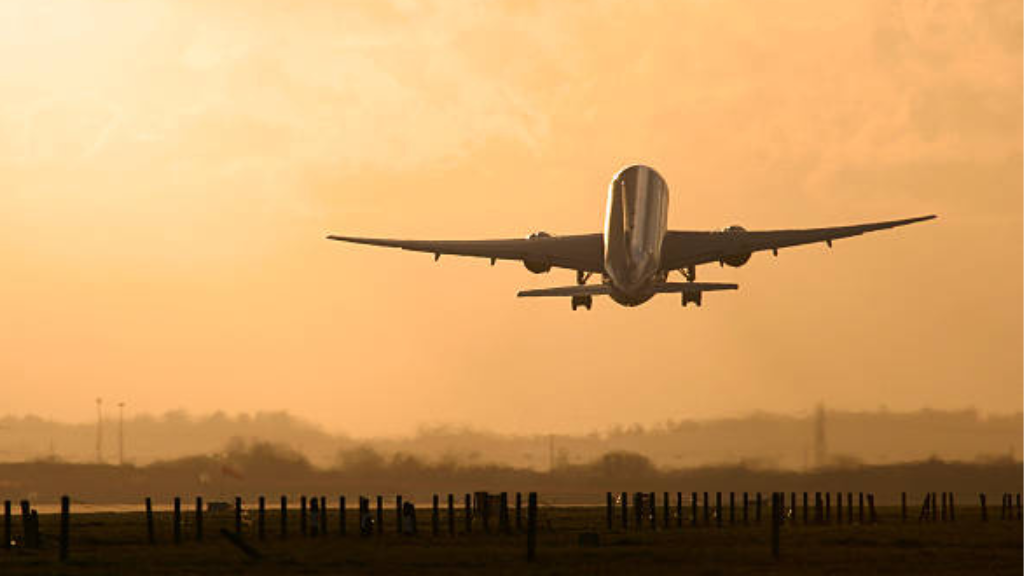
(120, 433)
(99, 430)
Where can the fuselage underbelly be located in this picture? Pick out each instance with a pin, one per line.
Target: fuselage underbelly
(636, 220)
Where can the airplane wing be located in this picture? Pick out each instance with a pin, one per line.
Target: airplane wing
(682, 248)
(580, 252)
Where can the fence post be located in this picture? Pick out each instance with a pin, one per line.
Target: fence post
(323, 516)
(199, 518)
(860, 507)
(398, 513)
(952, 508)
(302, 515)
(342, 512)
(32, 537)
(363, 519)
(380, 515)
(666, 514)
(238, 514)
(757, 507)
(531, 528)
(625, 511)
(849, 507)
(746, 506)
(469, 514)
(314, 517)
(261, 518)
(65, 527)
(871, 508)
(828, 507)
(903, 506)
(176, 519)
(693, 509)
(26, 521)
(839, 507)
(150, 536)
(775, 524)
(435, 516)
(984, 510)
(653, 505)
(792, 502)
(707, 510)
(679, 509)
(503, 520)
(718, 509)
(484, 503)
(608, 510)
(935, 507)
(284, 517)
(732, 508)
(7, 524)
(944, 504)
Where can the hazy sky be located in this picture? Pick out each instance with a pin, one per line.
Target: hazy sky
(168, 170)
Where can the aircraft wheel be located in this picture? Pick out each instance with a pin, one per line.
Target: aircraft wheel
(585, 301)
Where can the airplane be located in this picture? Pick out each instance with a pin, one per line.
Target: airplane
(637, 251)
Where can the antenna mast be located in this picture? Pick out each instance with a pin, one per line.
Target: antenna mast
(99, 430)
(120, 434)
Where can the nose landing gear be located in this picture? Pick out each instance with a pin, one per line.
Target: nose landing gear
(585, 301)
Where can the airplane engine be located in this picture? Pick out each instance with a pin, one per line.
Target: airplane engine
(537, 266)
(739, 255)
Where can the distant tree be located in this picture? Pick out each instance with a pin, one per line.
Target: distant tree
(361, 459)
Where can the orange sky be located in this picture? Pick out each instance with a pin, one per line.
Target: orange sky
(168, 170)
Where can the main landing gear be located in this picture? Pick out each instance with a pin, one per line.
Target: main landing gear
(694, 297)
(584, 301)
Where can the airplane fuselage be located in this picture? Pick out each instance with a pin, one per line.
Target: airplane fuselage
(636, 220)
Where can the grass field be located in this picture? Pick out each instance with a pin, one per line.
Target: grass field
(116, 543)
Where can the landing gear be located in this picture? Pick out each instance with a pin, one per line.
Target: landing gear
(582, 277)
(585, 301)
(694, 297)
(690, 273)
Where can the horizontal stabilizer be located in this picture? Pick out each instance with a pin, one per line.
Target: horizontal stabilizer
(602, 289)
(692, 287)
(584, 290)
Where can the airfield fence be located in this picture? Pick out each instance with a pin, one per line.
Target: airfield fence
(482, 509)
